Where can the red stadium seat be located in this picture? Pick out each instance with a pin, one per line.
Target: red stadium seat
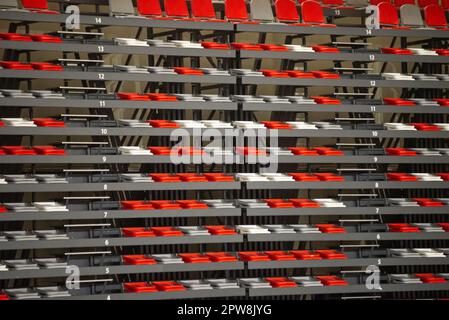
(312, 14)
(286, 11)
(204, 9)
(337, 4)
(149, 8)
(176, 9)
(236, 11)
(388, 16)
(39, 6)
(434, 17)
(376, 2)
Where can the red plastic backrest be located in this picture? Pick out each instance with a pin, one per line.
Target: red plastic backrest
(376, 2)
(286, 10)
(149, 7)
(35, 4)
(236, 10)
(202, 9)
(176, 8)
(388, 14)
(425, 3)
(333, 2)
(445, 4)
(434, 16)
(311, 11)
(399, 3)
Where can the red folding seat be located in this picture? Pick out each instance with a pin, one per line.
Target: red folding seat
(396, 51)
(276, 125)
(163, 124)
(15, 37)
(132, 96)
(300, 74)
(220, 230)
(326, 75)
(331, 255)
(3, 209)
(332, 281)
(304, 177)
(430, 278)
(305, 203)
(177, 9)
(442, 52)
(192, 204)
(435, 17)
(326, 100)
(150, 9)
(4, 297)
(169, 286)
(325, 49)
(137, 232)
(166, 232)
(194, 258)
(305, 255)
(425, 3)
(246, 46)
(45, 66)
(425, 202)
(19, 151)
(330, 228)
(388, 16)
(45, 38)
(286, 11)
(399, 3)
(425, 127)
(236, 11)
(328, 151)
(49, 151)
(221, 257)
(398, 102)
(402, 227)
(188, 71)
(280, 255)
(274, 73)
(274, 47)
(160, 97)
(136, 205)
(312, 14)
(400, 152)
(215, 45)
(401, 177)
(39, 6)
(204, 9)
(139, 287)
(281, 282)
(165, 205)
(192, 177)
(329, 177)
(279, 203)
(160, 151)
(15, 65)
(218, 177)
(254, 256)
(443, 102)
(48, 122)
(336, 4)
(299, 151)
(138, 260)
